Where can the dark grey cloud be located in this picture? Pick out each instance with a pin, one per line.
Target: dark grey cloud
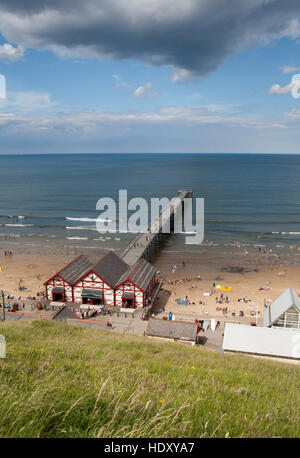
(193, 36)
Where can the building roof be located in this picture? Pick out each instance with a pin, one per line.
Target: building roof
(261, 340)
(140, 274)
(111, 268)
(286, 300)
(172, 329)
(64, 314)
(76, 269)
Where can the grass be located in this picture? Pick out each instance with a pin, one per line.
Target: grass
(65, 381)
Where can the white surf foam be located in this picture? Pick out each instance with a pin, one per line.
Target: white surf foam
(88, 219)
(18, 225)
(82, 228)
(77, 238)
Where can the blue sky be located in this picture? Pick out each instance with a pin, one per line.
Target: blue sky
(159, 76)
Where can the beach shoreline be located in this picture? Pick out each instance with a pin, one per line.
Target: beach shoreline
(254, 276)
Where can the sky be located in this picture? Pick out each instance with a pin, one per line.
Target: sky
(121, 76)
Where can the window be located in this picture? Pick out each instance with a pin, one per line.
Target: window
(289, 319)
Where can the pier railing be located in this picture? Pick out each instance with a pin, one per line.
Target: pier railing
(143, 245)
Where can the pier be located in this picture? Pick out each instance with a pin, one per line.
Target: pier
(144, 245)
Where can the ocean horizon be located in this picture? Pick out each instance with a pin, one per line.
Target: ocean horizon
(250, 199)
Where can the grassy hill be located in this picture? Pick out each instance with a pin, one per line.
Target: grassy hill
(65, 381)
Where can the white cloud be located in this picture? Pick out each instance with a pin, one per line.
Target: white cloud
(289, 69)
(81, 121)
(277, 89)
(7, 51)
(144, 91)
(292, 87)
(177, 129)
(28, 102)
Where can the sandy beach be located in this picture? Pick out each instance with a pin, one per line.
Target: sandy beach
(254, 276)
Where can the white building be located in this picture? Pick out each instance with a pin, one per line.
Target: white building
(275, 342)
(284, 312)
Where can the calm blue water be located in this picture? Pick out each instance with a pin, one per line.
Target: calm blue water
(253, 199)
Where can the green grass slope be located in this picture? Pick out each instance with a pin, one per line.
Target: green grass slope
(65, 381)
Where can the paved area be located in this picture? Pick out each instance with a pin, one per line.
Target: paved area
(213, 340)
(125, 324)
(128, 325)
(120, 324)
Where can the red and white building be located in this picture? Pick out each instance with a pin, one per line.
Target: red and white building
(59, 288)
(97, 286)
(136, 287)
(110, 282)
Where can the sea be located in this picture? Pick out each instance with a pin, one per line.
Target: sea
(252, 201)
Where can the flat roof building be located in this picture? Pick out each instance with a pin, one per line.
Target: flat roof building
(276, 342)
(175, 330)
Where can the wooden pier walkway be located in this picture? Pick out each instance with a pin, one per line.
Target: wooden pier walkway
(144, 245)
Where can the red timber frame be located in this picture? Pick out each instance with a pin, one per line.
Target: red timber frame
(136, 289)
(96, 283)
(63, 283)
(138, 292)
(132, 306)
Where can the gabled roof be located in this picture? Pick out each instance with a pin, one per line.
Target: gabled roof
(172, 329)
(140, 274)
(286, 300)
(64, 314)
(110, 268)
(73, 271)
